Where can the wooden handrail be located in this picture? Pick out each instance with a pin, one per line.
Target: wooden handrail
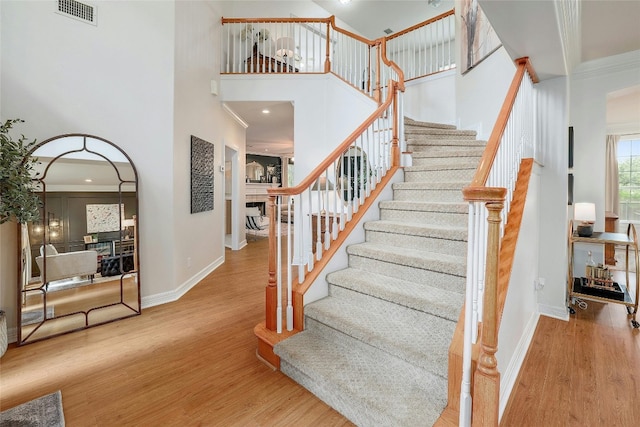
(336, 153)
(274, 20)
(482, 173)
(302, 288)
(421, 24)
(332, 22)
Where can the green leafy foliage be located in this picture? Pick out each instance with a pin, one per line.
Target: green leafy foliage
(17, 200)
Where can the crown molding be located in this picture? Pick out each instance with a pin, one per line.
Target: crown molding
(235, 116)
(605, 66)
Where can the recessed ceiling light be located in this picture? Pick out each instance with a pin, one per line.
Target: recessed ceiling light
(88, 180)
(345, 1)
(265, 111)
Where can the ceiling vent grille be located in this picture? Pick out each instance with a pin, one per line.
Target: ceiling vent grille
(80, 11)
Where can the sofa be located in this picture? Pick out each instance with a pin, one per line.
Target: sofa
(66, 265)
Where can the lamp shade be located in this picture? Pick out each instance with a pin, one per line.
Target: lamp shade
(285, 47)
(322, 184)
(584, 212)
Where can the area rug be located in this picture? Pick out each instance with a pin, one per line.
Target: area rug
(35, 316)
(45, 411)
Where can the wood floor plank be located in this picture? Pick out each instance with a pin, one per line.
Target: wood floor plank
(187, 363)
(585, 372)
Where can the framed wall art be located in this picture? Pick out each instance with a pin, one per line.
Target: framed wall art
(104, 217)
(202, 175)
(479, 39)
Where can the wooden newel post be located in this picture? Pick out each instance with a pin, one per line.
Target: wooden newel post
(486, 382)
(271, 291)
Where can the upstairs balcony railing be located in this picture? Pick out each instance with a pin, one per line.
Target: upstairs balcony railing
(316, 45)
(426, 48)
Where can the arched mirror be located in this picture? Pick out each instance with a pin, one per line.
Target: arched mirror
(79, 262)
(353, 170)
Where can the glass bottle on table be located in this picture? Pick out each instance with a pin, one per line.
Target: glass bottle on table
(590, 268)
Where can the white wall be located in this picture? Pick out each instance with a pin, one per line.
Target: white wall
(141, 79)
(198, 238)
(520, 315)
(432, 99)
(325, 110)
(481, 92)
(552, 98)
(114, 80)
(590, 83)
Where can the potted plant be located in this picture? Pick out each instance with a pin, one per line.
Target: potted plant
(17, 200)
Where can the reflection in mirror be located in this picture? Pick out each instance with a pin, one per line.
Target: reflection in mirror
(254, 172)
(353, 168)
(79, 262)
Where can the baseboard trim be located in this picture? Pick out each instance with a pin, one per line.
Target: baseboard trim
(555, 312)
(510, 375)
(176, 294)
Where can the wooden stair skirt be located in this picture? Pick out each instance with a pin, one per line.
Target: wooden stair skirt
(267, 339)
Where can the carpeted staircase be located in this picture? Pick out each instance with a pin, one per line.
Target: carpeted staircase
(376, 348)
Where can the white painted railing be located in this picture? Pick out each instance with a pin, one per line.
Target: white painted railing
(510, 142)
(314, 212)
(426, 48)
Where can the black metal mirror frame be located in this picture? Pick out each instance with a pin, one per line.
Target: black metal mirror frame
(23, 292)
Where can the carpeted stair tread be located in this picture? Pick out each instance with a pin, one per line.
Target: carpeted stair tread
(449, 152)
(376, 349)
(429, 141)
(411, 122)
(443, 303)
(410, 257)
(368, 386)
(459, 165)
(447, 207)
(431, 185)
(416, 229)
(441, 133)
(411, 335)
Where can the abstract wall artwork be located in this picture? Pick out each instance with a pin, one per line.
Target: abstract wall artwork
(104, 217)
(479, 39)
(202, 174)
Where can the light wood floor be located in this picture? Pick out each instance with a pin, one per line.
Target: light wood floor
(585, 372)
(193, 363)
(187, 363)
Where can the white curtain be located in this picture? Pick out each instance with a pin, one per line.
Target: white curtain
(612, 193)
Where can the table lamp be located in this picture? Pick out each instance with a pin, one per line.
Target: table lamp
(585, 214)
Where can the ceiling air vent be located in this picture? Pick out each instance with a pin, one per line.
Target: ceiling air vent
(81, 11)
(388, 31)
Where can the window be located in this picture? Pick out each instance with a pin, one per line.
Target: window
(629, 179)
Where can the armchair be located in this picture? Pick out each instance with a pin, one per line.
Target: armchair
(66, 265)
(256, 221)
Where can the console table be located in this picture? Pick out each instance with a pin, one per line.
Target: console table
(604, 289)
